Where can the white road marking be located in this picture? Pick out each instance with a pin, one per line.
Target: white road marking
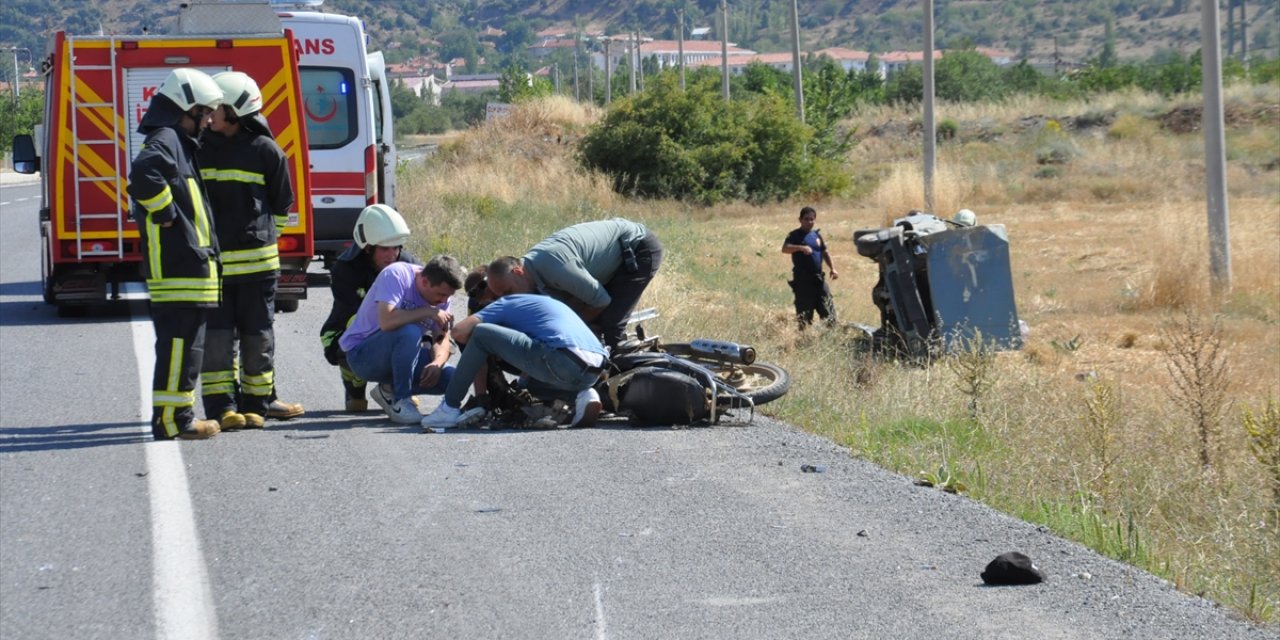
(183, 600)
(600, 627)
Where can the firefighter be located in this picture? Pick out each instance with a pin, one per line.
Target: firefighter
(247, 177)
(379, 235)
(178, 246)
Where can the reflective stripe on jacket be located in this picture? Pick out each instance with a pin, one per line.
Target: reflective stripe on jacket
(166, 188)
(247, 177)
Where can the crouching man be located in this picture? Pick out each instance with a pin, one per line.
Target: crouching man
(398, 336)
(540, 336)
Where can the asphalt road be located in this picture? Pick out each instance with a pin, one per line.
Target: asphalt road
(339, 526)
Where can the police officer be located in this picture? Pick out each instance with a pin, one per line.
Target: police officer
(247, 176)
(178, 246)
(379, 235)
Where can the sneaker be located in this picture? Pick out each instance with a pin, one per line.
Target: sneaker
(383, 395)
(254, 421)
(230, 420)
(403, 412)
(200, 430)
(586, 408)
(281, 410)
(447, 417)
(357, 405)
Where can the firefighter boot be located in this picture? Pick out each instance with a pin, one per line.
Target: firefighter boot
(281, 410)
(200, 430)
(254, 421)
(231, 421)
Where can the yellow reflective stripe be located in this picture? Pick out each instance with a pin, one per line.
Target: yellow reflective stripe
(202, 217)
(233, 175)
(175, 364)
(159, 201)
(218, 376)
(239, 269)
(169, 399)
(166, 419)
(185, 296)
(217, 389)
(245, 261)
(266, 377)
(153, 249)
(245, 255)
(351, 377)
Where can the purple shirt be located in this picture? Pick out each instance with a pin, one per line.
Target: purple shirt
(394, 286)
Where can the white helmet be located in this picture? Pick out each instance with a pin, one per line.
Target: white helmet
(190, 87)
(239, 92)
(381, 226)
(965, 217)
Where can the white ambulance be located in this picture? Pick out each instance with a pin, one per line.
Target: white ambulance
(347, 108)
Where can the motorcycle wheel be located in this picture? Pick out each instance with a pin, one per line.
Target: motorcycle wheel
(761, 381)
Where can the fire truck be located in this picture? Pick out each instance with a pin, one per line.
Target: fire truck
(97, 88)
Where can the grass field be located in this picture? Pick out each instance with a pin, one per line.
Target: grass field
(1125, 423)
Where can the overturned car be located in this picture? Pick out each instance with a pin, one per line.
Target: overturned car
(945, 286)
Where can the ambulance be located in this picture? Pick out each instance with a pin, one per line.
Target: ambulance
(347, 107)
(97, 88)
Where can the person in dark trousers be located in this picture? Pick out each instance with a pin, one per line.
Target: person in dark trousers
(600, 269)
(247, 177)
(178, 246)
(379, 234)
(809, 253)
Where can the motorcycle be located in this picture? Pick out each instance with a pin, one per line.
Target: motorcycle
(650, 382)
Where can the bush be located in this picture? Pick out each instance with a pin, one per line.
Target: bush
(692, 145)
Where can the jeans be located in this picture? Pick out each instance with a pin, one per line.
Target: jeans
(393, 357)
(553, 368)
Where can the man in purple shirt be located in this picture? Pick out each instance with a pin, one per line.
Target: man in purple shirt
(399, 337)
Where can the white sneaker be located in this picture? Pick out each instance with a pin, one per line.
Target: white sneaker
(586, 408)
(403, 412)
(447, 417)
(384, 396)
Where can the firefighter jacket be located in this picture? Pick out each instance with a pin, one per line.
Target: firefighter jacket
(351, 276)
(165, 185)
(250, 194)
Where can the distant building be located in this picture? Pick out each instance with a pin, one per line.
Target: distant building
(894, 61)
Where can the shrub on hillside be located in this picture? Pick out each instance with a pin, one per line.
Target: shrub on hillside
(692, 145)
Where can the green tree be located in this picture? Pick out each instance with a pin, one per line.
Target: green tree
(967, 76)
(19, 116)
(693, 145)
(516, 85)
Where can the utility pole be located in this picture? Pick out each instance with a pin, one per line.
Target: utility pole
(724, 49)
(608, 75)
(577, 90)
(680, 44)
(639, 64)
(17, 78)
(930, 130)
(796, 78)
(1215, 157)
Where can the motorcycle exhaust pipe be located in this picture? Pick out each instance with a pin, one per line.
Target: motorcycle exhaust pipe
(733, 351)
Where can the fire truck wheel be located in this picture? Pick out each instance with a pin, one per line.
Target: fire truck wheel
(286, 306)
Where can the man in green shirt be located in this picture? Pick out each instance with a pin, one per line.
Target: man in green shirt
(598, 268)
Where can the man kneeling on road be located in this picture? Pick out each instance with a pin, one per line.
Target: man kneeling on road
(398, 337)
(540, 336)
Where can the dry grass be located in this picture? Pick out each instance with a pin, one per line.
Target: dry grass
(1078, 431)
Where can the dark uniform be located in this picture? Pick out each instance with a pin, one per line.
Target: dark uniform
(178, 260)
(250, 194)
(352, 274)
(807, 280)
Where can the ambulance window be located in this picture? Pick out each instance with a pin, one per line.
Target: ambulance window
(329, 101)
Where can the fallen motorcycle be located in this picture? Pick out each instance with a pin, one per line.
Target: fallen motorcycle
(650, 382)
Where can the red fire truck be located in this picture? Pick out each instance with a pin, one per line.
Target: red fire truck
(97, 88)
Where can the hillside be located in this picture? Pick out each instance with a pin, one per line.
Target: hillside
(1070, 30)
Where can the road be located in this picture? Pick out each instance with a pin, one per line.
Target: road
(338, 526)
